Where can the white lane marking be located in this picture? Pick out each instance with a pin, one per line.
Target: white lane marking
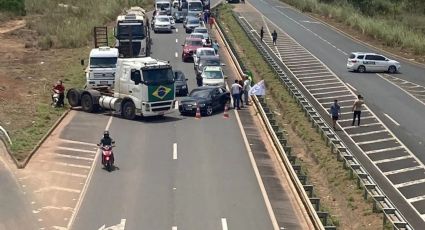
(365, 125)
(86, 184)
(313, 76)
(384, 150)
(76, 150)
(321, 84)
(306, 71)
(176, 54)
(330, 92)
(325, 88)
(401, 88)
(177, 30)
(375, 141)
(177, 40)
(68, 174)
(175, 151)
(74, 157)
(351, 87)
(176, 105)
(410, 183)
(391, 119)
(304, 64)
(301, 60)
(415, 199)
(66, 164)
(224, 224)
(402, 170)
(52, 207)
(257, 173)
(120, 226)
(174, 228)
(312, 22)
(50, 188)
(270, 34)
(363, 118)
(393, 159)
(342, 101)
(78, 142)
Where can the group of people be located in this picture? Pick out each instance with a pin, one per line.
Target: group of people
(274, 35)
(239, 91)
(335, 111)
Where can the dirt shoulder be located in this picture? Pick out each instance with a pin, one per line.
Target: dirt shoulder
(26, 76)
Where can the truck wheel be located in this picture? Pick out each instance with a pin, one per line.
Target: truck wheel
(73, 97)
(87, 103)
(129, 110)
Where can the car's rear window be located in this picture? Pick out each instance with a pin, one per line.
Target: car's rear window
(352, 56)
(360, 57)
(194, 43)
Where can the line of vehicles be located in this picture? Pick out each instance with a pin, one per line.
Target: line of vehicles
(124, 78)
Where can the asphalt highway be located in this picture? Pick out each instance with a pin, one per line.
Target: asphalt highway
(176, 172)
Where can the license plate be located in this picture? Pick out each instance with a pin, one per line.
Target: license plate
(161, 113)
(103, 82)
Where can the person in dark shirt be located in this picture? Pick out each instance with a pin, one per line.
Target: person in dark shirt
(335, 113)
(107, 140)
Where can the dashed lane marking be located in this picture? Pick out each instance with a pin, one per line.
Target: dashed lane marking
(176, 54)
(175, 151)
(224, 224)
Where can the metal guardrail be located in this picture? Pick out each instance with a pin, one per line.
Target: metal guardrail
(312, 204)
(364, 180)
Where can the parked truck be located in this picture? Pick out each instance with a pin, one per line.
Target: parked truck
(143, 87)
(132, 34)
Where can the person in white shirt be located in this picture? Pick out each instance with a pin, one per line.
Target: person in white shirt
(357, 109)
(235, 91)
(246, 88)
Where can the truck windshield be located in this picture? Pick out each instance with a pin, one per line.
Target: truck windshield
(195, 6)
(158, 76)
(136, 30)
(163, 5)
(103, 62)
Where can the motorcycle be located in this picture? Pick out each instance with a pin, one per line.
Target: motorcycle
(55, 98)
(107, 157)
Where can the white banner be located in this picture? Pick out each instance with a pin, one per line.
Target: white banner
(258, 89)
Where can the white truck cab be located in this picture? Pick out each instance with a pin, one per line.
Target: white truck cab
(101, 67)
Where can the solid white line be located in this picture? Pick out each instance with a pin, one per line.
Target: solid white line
(176, 54)
(68, 174)
(86, 184)
(257, 174)
(375, 141)
(351, 87)
(78, 142)
(391, 119)
(175, 151)
(76, 150)
(415, 199)
(401, 88)
(384, 150)
(224, 223)
(174, 228)
(49, 188)
(176, 105)
(392, 159)
(402, 170)
(409, 183)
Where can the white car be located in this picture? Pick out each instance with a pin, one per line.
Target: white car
(202, 52)
(371, 62)
(213, 76)
(162, 24)
(202, 30)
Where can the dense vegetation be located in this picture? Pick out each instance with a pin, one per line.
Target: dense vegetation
(14, 6)
(70, 23)
(398, 23)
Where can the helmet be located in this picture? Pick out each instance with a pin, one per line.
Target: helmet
(106, 133)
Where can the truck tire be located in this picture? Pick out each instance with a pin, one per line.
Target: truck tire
(129, 110)
(74, 97)
(87, 103)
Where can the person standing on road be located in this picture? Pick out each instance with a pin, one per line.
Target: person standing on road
(235, 91)
(211, 21)
(357, 109)
(274, 36)
(246, 88)
(335, 113)
(262, 33)
(215, 46)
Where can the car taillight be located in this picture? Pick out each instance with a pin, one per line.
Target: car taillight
(353, 61)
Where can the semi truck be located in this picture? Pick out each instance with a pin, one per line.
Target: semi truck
(101, 67)
(143, 87)
(132, 34)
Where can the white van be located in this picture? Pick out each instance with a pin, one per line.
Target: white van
(194, 7)
(163, 5)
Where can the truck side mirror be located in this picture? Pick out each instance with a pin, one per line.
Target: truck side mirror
(135, 76)
(82, 62)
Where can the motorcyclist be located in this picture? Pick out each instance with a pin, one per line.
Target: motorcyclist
(59, 89)
(107, 140)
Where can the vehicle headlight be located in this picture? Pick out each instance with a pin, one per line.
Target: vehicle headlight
(147, 107)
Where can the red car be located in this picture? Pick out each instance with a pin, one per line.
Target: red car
(189, 48)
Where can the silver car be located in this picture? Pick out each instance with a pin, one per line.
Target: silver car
(371, 62)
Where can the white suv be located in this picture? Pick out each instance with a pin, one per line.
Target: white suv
(162, 23)
(371, 62)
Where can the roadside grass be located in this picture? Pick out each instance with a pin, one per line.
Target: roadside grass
(71, 25)
(333, 184)
(392, 33)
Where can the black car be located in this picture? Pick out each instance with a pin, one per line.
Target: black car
(207, 61)
(209, 99)
(179, 16)
(181, 83)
